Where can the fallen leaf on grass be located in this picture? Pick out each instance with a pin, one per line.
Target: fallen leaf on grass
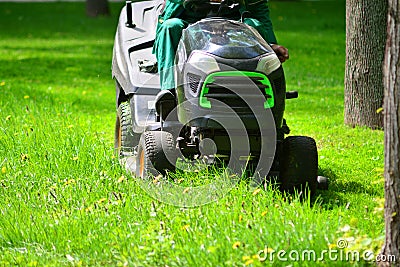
(236, 245)
(121, 179)
(69, 257)
(256, 191)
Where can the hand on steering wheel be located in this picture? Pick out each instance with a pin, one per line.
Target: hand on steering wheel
(281, 51)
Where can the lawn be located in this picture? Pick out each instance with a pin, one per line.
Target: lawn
(65, 200)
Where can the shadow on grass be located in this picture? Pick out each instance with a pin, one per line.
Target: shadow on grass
(55, 20)
(335, 194)
(62, 78)
(56, 55)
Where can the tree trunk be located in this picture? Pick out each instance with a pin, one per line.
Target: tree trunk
(391, 72)
(365, 50)
(95, 8)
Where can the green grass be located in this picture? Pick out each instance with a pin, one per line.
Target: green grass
(65, 200)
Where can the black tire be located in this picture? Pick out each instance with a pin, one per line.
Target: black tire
(124, 137)
(156, 154)
(299, 165)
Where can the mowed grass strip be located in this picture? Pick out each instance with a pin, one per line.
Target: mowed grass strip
(65, 200)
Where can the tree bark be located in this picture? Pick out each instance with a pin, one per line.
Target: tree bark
(96, 8)
(391, 70)
(365, 50)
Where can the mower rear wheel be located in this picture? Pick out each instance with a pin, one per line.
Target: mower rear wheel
(156, 154)
(124, 140)
(299, 165)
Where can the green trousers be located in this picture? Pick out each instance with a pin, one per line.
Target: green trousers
(166, 44)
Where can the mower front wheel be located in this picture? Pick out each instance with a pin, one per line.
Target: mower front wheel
(156, 154)
(299, 165)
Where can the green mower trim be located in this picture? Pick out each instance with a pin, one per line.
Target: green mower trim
(269, 102)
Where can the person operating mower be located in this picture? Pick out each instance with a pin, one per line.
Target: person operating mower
(176, 15)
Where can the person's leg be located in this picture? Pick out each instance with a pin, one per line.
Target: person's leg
(167, 41)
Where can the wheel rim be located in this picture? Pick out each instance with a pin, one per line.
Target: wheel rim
(141, 164)
(119, 137)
